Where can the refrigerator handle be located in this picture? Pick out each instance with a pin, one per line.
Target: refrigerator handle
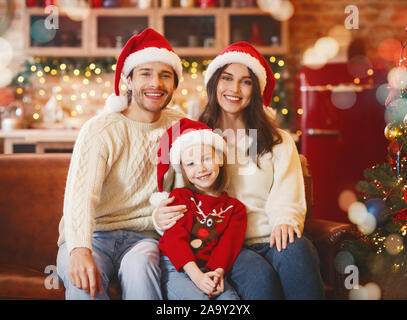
(323, 132)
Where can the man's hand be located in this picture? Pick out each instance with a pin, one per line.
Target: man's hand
(281, 233)
(83, 271)
(166, 216)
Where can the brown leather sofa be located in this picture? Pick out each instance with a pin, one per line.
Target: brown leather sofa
(31, 199)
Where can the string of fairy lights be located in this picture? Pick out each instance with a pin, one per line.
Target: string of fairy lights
(42, 74)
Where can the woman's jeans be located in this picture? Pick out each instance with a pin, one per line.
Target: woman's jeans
(131, 257)
(262, 273)
(178, 286)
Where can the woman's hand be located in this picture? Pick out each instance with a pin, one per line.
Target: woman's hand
(281, 233)
(166, 216)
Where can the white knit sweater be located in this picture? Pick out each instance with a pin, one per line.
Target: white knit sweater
(274, 193)
(111, 176)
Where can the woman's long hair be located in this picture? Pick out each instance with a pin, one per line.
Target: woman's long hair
(254, 116)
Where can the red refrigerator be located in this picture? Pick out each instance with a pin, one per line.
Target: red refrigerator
(342, 128)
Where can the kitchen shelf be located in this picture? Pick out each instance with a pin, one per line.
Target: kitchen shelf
(193, 32)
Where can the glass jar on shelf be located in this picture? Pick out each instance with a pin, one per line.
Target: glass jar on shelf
(187, 3)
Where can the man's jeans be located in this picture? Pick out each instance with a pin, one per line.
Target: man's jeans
(131, 257)
(178, 285)
(264, 273)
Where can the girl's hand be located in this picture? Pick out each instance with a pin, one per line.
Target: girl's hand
(166, 216)
(205, 283)
(281, 233)
(218, 277)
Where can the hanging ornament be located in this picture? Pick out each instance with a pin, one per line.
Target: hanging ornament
(391, 131)
(394, 150)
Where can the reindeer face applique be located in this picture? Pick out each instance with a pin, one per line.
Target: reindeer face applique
(204, 230)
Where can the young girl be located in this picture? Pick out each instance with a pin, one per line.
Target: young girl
(199, 250)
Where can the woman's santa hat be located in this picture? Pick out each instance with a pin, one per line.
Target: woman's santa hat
(148, 46)
(244, 53)
(182, 135)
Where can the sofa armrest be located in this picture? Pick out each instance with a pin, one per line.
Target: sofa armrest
(328, 238)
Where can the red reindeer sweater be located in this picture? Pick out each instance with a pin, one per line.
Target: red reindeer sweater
(211, 233)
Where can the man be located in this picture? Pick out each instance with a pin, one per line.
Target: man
(106, 230)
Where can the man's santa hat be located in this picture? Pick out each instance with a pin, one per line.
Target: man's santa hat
(182, 135)
(244, 53)
(148, 46)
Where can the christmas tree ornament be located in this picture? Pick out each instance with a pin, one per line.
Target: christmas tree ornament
(391, 132)
(377, 207)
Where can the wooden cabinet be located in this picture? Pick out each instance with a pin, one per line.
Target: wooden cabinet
(192, 32)
(66, 37)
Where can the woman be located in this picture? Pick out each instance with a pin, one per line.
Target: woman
(265, 174)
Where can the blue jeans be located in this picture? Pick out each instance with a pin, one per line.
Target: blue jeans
(264, 273)
(131, 257)
(178, 286)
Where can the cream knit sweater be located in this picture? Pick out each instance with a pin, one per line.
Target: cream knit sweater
(274, 193)
(111, 176)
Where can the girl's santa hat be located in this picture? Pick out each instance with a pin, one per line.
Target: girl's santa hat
(244, 53)
(182, 135)
(148, 46)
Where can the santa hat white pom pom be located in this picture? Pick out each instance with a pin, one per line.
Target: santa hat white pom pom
(116, 103)
(157, 197)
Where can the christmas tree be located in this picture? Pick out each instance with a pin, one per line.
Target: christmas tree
(381, 210)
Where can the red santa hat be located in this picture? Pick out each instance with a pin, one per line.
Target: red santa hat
(148, 46)
(182, 135)
(246, 54)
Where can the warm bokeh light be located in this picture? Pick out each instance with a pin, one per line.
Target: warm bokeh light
(284, 11)
(373, 291)
(368, 225)
(313, 59)
(357, 212)
(327, 46)
(389, 49)
(370, 291)
(345, 199)
(342, 35)
(393, 244)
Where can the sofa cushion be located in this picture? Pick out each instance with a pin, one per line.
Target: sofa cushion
(22, 283)
(18, 282)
